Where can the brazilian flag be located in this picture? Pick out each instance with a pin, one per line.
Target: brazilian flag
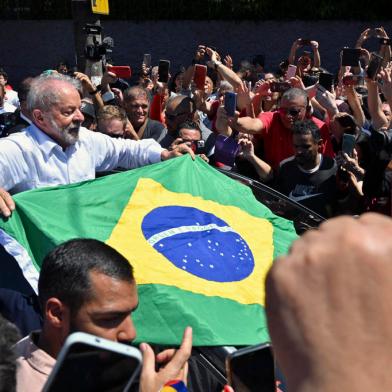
(199, 242)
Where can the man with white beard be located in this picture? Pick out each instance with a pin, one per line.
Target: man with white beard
(56, 150)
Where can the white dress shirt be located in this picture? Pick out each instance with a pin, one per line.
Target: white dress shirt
(31, 159)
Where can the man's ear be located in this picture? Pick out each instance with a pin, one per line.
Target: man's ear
(37, 116)
(320, 145)
(56, 313)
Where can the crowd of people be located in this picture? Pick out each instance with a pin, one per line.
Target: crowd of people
(322, 139)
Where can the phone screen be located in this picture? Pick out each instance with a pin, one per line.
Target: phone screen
(348, 143)
(147, 59)
(163, 70)
(351, 57)
(252, 369)
(199, 76)
(291, 71)
(89, 368)
(326, 80)
(230, 103)
(374, 66)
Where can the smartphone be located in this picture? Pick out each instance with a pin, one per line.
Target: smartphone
(252, 369)
(163, 70)
(352, 80)
(199, 76)
(291, 71)
(89, 363)
(385, 41)
(147, 59)
(280, 87)
(305, 42)
(326, 80)
(121, 71)
(350, 57)
(374, 66)
(348, 144)
(230, 103)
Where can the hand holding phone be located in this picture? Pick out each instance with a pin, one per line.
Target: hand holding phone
(326, 80)
(121, 71)
(147, 60)
(279, 87)
(374, 66)
(163, 70)
(350, 57)
(89, 363)
(199, 76)
(291, 71)
(230, 103)
(348, 144)
(305, 42)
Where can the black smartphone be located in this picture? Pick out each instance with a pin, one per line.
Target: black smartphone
(348, 144)
(374, 66)
(280, 87)
(163, 70)
(305, 42)
(252, 369)
(326, 80)
(230, 103)
(350, 57)
(147, 59)
(89, 363)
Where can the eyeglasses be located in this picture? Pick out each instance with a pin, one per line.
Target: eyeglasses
(174, 116)
(291, 111)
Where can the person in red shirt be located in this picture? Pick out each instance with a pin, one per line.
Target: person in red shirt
(275, 128)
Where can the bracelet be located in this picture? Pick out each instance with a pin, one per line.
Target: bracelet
(94, 92)
(174, 385)
(216, 64)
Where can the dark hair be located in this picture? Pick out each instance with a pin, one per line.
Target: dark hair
(189, 124)
(65, 271)
(24, 88)
(9, 335)
(3, 73)
(307, 127)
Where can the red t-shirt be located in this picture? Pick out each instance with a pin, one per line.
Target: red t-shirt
(278, 140)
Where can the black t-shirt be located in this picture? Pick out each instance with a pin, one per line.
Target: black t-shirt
(154, 130)
(314, 189)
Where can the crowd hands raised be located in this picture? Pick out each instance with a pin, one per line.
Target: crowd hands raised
(323, 141)
(256, 122)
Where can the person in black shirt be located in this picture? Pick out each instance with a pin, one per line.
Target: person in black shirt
(308, 177)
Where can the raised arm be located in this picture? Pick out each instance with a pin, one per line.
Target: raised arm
(294, 47)
(374, 104)
(355, 105)
(225, 72)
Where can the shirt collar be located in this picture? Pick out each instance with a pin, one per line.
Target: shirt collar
(37, 358)
(45, 143)
(22, 116)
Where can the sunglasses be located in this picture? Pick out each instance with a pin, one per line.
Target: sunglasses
(174, 116)
(292, 112)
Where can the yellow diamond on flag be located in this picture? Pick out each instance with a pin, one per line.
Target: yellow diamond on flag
(194, 244)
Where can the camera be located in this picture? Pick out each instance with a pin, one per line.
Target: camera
(197, 146)
(96, 51)
(7, 121)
